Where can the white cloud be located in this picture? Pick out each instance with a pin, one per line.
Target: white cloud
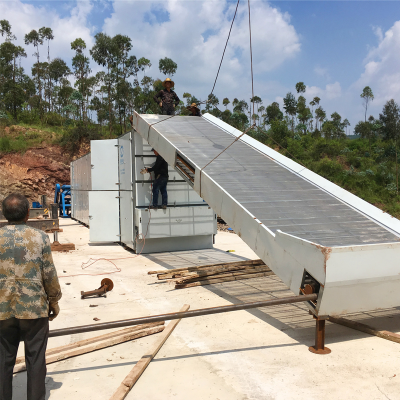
(323, 72)
(331, 91)
(182, 39)
(381, 70)
(25, 17)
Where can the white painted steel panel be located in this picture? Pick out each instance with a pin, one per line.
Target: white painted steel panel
(176, 222)
(104, 158)
(170, 244)
(353, 278)
(126, 193)
(104, 216)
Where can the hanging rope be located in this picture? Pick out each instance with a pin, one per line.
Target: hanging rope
(226, 44)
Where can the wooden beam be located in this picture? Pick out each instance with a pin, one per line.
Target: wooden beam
(133, 376)
(216, 275)
(393, 337)
(94, 339)
(220, 280)
(96, 346)
(210, 271)
(232, 264)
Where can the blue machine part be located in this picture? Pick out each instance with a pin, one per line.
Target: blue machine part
(62, 196)
(36, 204)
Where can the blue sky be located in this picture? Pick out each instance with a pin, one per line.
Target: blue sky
(335, 47)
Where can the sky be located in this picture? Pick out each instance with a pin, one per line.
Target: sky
(335, 47)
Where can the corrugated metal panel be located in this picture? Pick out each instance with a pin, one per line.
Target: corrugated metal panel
(288, 219)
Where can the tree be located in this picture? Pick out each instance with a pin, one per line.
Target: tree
(167, 66)
(34, 38)
(367, 96)
(12, 94)
(103, 52)
(255, 100)
(338, 132)
(300, 87)
(46, 34)
(346, 123)
(273, 113)
(80, 64)
(290, 106)
(320, 115)
(225, 102)
(144, 63)
(212, 102)
(5, 29)
(390, 121)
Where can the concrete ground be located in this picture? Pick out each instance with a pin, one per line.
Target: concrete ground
(258, 354)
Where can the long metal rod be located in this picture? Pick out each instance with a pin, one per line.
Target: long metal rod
(179, 315)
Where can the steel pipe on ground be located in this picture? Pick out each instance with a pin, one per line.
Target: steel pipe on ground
(179, 315)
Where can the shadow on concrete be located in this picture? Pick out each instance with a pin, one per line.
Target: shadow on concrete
(184, 356)
(20, 388)
(293, 319)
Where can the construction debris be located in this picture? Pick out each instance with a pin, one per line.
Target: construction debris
(57, 246)
(214, 273)
(142, 364)
(105, 286)
(95, 343)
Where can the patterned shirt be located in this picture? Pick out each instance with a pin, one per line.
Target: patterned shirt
(28, 278)
(167, 97)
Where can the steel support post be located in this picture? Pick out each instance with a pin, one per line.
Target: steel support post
(319, 347)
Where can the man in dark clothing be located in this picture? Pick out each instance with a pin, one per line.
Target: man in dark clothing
(29, 295)
(167, 98)
(194, 110)
(160, 169)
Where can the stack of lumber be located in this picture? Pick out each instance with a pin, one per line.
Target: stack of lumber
(214, 273)
(95, 343)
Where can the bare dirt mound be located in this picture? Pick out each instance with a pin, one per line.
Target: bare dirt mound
(34, 173)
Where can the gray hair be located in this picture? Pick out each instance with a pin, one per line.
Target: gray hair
(15, 207)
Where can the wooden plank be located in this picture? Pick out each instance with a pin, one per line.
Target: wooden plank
(232, 264)
(96, 346)
(210, 271)
(142, 364)
(94, 339)
(57, 246)
(393, 337)
(217, 275)
(220, 280)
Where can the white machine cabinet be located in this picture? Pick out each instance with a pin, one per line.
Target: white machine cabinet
(114, 198)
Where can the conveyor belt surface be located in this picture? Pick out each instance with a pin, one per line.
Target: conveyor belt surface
(278, 197)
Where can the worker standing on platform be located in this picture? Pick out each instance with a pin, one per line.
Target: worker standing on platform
(160, 169)
(194, 110)
(29, 295)
(167, 98)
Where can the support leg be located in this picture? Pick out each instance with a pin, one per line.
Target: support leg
(319, 347)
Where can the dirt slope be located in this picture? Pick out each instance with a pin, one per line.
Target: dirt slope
(34, 173)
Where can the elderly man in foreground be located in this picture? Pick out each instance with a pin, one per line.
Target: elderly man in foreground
(29, 294)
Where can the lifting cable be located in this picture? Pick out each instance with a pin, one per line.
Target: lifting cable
(226, 44)
(251, 64)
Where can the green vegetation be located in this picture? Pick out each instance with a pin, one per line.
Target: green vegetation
(70, 105)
